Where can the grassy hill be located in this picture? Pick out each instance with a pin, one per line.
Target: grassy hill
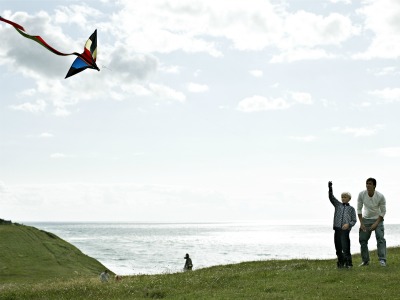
(28, 254)
(49, 260)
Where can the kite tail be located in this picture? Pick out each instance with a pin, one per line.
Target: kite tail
(12, 23)
(37, 38)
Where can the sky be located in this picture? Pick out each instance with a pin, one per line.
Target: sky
(202, 111)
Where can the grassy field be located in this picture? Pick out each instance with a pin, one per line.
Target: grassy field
(273, 279)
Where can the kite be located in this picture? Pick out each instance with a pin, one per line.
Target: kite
(84, 60)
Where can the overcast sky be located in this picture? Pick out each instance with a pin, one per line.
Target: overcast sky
(203, 110)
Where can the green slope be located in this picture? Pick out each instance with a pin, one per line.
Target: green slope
(28, 254)
(273, 279)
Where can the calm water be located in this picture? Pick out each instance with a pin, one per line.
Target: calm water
(149, 248)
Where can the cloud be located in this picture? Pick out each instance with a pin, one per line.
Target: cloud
(339, 1)
(192, 26)
(388, 95)
(258, 103)
(298, 54)
(59, 155)
(386, 71)
(167, 93)
(132, 38)
(35, 107)
(301, 97)
(256, 73)
(382, 20)
(170, 69)
(305, 29)
(197, 88)
(43, 135)
(358, 131)
(132, 66)
(307, 138)
(76, 14)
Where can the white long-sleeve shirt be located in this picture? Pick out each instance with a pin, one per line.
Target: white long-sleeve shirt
(371, 207)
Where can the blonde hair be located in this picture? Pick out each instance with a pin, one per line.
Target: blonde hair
(347, 194)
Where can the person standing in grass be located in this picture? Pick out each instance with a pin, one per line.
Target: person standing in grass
(371, 209)
(188, 264)
(344, 219)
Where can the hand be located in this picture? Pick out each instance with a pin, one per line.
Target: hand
(363, 228)
(330, 184)
(345, 226)
(373, 227)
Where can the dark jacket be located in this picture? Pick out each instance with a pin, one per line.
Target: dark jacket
(344, 213)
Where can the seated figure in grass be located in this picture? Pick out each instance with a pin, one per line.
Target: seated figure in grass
(104, 276)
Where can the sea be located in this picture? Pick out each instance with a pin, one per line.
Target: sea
(159, 248)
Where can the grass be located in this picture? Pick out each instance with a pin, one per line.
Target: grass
(28, 255)
(273, 279)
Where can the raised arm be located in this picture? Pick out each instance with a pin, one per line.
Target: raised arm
(332, 198)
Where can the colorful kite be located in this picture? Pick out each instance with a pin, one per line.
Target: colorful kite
(87, 59)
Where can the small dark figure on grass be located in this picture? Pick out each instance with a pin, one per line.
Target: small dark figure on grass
(188, 264)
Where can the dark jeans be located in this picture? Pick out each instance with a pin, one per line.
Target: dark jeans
(342, 245)
(380, 240)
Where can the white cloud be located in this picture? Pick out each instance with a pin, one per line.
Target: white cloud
(46, 135)
(165, 92)
(170, 69)
(358, 131)
(38, 106)
(258, 103)
(43, 135)
(76, 14)
(309, 30)
(307, 138)
(387, 94)
(297, 54)
(178, 25)
(339, 1)
(183, 25)
(275, 85)
(256, 73)
(197, 88)
(385, 71)
(301, 97)
(132, 66)
(382, 19)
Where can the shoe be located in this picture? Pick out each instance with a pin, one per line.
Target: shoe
(348, 266)
(364, 263)
(383, 263)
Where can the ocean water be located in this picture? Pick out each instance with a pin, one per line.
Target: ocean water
(155, 248)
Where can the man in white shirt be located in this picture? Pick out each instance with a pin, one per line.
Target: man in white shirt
(371, 209)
